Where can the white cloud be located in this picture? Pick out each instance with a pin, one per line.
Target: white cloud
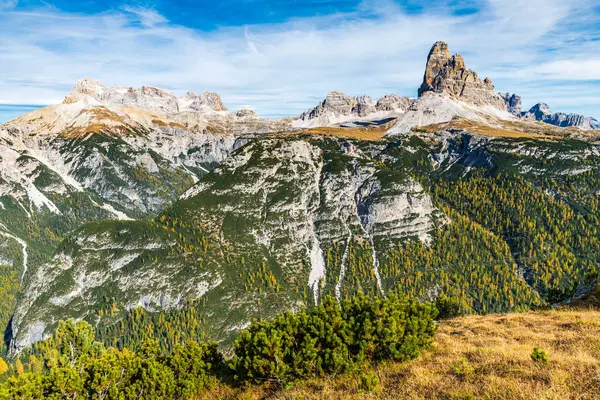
(285, 68)
(146, 16)
(8, 4)
(575, 70)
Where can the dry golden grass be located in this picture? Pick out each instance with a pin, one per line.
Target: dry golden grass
(372, 132)
(511, 129)
(79, 132)
(363, 133)
(171, 124)
(507, 129)
(102, 119)
(497, 347)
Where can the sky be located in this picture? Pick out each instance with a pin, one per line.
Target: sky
(281, 57)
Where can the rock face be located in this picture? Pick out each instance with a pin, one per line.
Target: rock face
(365, 105)
(541, 112)
(194, 102)
(513, 103)
(448, 74)
(438, 58)
(321, 214)
(245, 113)
(340, 108)
(393, 102)
(336, 103)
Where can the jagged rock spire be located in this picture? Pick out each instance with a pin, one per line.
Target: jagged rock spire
(513, 103)
(449, 74)
(438, 58)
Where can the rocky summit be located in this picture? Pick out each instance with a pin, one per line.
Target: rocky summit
(127, 202)
(513, 103)
(449, 75)
(338, 108)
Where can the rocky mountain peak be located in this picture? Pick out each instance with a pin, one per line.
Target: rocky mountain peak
(438, 58)
(393, 102)
(245, 112)
(540, 109)
(542, 112)
(335, 103)
(88, 86)
(338, 107)
(339, 102)
(457, 62)
(365, 105)
(513, 103)
(213, 100)
(449, 75)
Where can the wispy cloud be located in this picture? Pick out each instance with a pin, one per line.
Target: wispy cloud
(8, 4)
(284, 68)
(147, 17)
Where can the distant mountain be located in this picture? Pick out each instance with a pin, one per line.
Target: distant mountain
(145, 98)
(541, 112)
(339, 108)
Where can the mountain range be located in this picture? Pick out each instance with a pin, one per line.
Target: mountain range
(121, 198)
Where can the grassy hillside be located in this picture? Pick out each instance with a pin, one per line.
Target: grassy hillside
(475, 357)
(500, 225)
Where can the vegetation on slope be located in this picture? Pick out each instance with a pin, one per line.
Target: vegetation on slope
(328, 339)
(514, 227)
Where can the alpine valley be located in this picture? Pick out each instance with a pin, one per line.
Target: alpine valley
(131, 207)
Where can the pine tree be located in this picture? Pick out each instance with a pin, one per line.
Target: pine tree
(19, 367)
(3, 366)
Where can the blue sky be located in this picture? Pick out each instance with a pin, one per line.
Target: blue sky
(280, 57)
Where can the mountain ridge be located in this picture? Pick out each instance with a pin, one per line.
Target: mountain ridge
(141, 198)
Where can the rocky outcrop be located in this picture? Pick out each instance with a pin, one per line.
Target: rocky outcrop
(449, 75)
(513, 103)
(90, 87)
(541, 112)
(365, 105)
(194, 102)
(245, 113)
(336, 103)
(339, 108)
(393, 102)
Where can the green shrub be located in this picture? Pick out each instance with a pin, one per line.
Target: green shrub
(194, 366)
(539, 356)
(462, 368)
(369, 381)
(448, 307)
(333, 338)
(461, 396)
(330, 338)
(74, 365)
